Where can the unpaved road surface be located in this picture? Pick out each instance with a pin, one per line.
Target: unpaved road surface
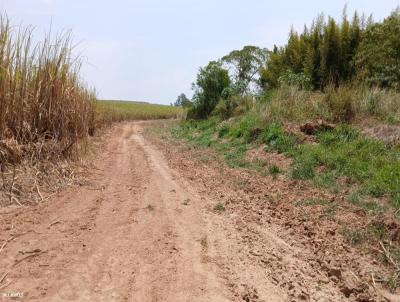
(140, 230)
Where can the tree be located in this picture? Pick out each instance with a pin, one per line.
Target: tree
(330, 54)
(182, 101)
(209, 88)
(312, 61)
(293, 52)
(246, 65)
(378, 57)
(274, 68)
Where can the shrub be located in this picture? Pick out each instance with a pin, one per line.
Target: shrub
(298, 80)
(234, 106)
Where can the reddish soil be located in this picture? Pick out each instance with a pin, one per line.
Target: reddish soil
(143, 228)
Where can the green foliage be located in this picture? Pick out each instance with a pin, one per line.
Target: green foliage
(223, 129)
(299, 80)
(378, 57)
(211, 82)
(243, 128)
(275, 65)
(274, 170)
(324, 53)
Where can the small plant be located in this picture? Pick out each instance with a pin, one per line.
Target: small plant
(150, 207)
(219, 208)
(274, 171)
(223, 129)
(312, 202)
(186, 201)
(393, 282)
(330, 211)
(353, 236)
(204, 242)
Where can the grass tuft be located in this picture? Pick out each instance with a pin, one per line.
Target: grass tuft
(219, 208)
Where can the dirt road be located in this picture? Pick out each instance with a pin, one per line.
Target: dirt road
(140, 231)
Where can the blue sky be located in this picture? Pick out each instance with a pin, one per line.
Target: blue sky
(151, 50)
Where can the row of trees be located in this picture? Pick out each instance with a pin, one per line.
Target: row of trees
(326, 53)
(331, 52)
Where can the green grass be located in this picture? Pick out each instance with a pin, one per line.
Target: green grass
(344, 153)
(129, 110)
(274, 171)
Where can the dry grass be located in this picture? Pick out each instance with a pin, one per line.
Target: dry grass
(44, 107)
(338, 105)
(46, 112)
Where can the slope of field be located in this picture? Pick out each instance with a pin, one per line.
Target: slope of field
(128, 110)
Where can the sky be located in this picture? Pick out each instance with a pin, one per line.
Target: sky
(151, 50)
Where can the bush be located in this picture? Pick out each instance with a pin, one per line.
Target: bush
(234, 106)
(298, 80)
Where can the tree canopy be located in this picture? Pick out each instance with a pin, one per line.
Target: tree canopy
(212, 80)
(246, 64)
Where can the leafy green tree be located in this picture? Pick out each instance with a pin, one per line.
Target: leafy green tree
(212, 80)
(312, 60)
(293, 56)
(330, 54)
(378, 57)
(274, 68)
(182, 101)
(246, 64)
(346, 48)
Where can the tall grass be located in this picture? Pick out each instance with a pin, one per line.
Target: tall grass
(343, 104)
(43, 101)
